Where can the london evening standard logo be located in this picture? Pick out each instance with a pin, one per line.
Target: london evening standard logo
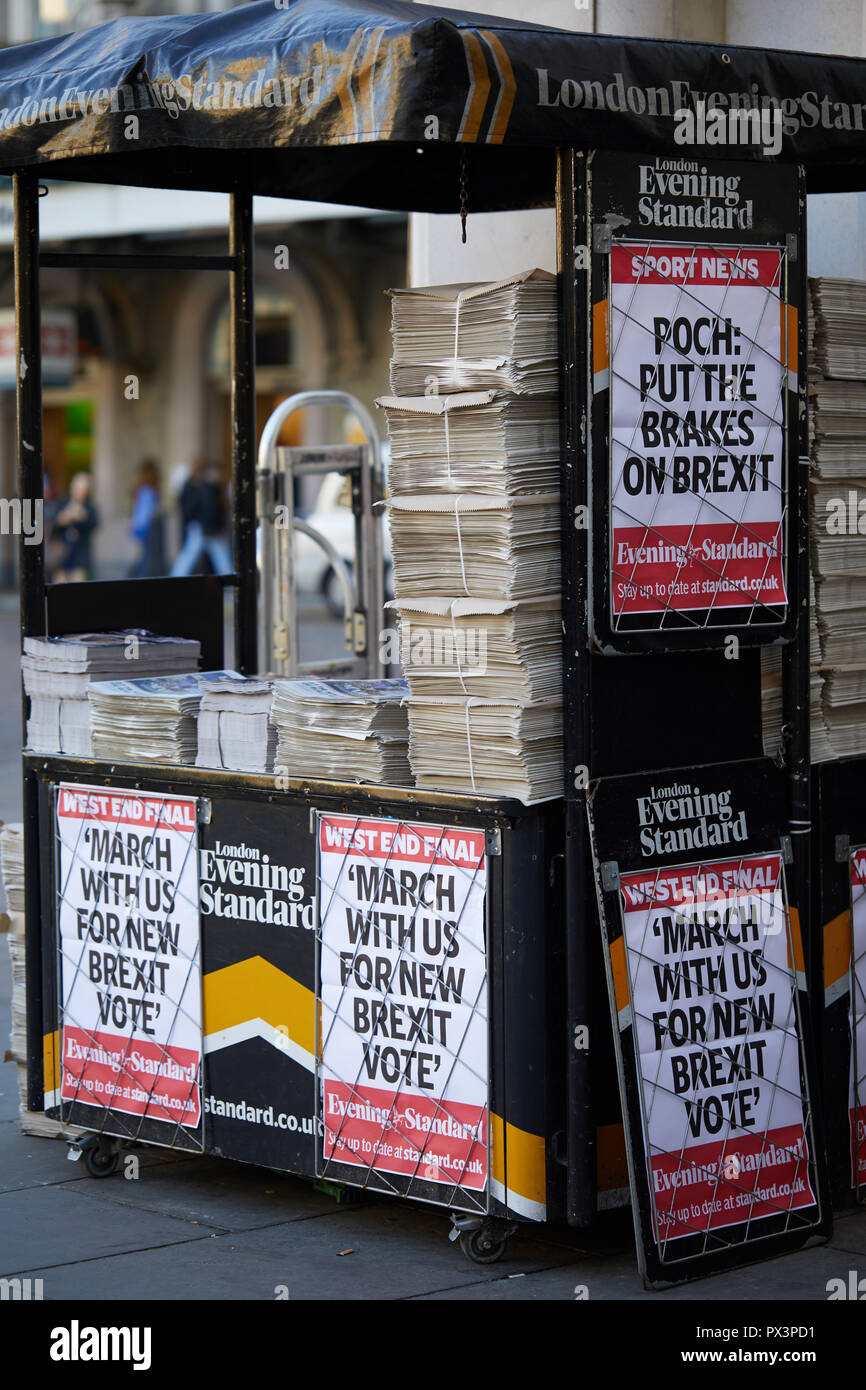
(682, 817)
(240, 883)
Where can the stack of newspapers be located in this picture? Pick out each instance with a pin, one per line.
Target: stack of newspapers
(483, 545)
(151, 719)
(234, 725)
(470, 337)
(472, 441)
(474, 514)
(58, 671)
(346, 731)
(840, 327)
(838, 514)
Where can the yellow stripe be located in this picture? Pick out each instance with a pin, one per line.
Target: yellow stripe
(796, 937)
(341, 86)
(620, 974)
(51, 1061)
(481, 78)
(600, 338)
(837, 948)
(254, 988)
(520, 1155)
(497, 134)
(788, 315)
(365, 76)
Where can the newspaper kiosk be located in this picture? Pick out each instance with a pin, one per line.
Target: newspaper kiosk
(685, 549)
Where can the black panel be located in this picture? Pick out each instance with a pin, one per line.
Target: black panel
(183, 607)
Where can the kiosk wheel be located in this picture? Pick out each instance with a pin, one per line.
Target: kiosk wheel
(102, 1158)
(483, 1247)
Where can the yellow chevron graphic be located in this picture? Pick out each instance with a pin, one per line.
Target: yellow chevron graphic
(479, 88)
(254, 988)
(505, 100)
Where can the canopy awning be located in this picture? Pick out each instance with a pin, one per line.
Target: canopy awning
(375, 104)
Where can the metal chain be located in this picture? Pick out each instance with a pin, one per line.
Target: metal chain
(464, 192)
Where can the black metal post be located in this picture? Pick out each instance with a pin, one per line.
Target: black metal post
(577, 677)
(28, 394)
(243, 423)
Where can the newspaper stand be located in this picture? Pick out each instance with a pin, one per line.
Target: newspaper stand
(409, 108)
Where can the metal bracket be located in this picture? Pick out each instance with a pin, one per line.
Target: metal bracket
(792, 246)
(601, 238)
(314, 820)
(610, 875)
(842, 849)
(787, 849)
(205, 810)
(356, 632)
(493, 842)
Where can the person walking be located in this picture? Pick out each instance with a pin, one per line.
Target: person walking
(203, 517)
(76, 520)
(147, 524)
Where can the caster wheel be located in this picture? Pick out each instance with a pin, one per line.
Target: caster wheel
(481, 1247)
(101, 1162)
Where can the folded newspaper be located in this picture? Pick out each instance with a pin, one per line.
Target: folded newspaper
(496, 747)
(234, 725)
(484, 647)
(463, 337)
(151, 719)
(469, 544)
(474, 441)
(57, 672)
(347, 731)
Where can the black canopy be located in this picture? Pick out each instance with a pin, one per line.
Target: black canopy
(375, 103)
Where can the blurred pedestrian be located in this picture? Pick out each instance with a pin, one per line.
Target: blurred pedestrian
(76, 520)
(147, 524)
(203, 518)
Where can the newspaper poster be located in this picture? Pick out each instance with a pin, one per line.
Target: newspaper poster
(698, 385)
(129, 948)
(715, 1029)
(857, 1020)
(404, 1076)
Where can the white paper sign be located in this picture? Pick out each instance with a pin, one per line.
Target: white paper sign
(130, 958)
(697, 410)
(404, 998)
(712, 993)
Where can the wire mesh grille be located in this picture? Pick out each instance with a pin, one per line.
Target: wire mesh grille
(724, 1104)
(128, 962)
(698, 403)
(403, 1043)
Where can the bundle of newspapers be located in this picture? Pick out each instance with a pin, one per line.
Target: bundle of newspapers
(468, 337)
(475, 526)
(150, 719)
(839, 308)
(58, 671)
(491, 747)
(838, 512)
(481, 647)
(346, 731)
(474, 441)
(483, 545)
(234, 725)
(772, 696)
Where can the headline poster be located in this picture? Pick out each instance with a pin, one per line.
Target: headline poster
(403, 971)
(129, 946)
(857, 1020)
(697, 428)
(717, 1044)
